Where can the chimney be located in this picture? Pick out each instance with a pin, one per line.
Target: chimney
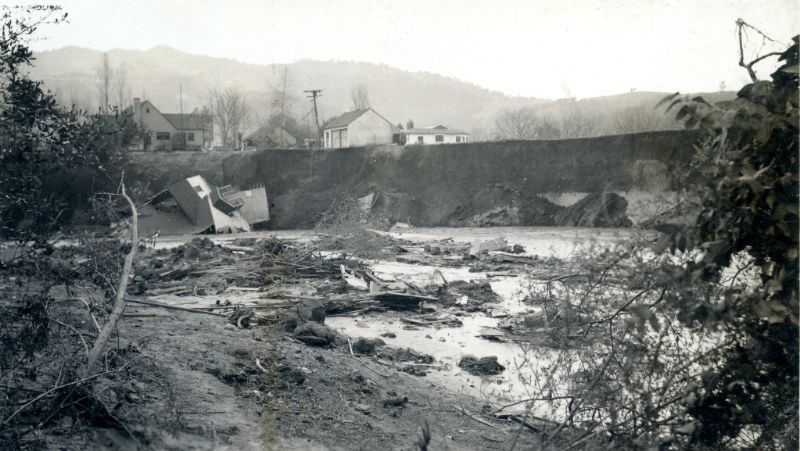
(409, 124)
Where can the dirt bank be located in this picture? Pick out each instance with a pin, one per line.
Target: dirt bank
(477, 184)
(453, 185)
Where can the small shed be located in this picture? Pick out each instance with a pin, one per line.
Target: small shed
(364, 127)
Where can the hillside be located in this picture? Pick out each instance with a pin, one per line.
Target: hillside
(428, 99)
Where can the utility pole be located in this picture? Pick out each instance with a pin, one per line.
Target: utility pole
(283, 107)
(182, 132)
(313, 94)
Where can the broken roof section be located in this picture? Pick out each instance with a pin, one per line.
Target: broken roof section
(193, 205)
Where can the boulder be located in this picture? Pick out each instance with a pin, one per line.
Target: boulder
(304, 312)
(367, 345)
(484, 366)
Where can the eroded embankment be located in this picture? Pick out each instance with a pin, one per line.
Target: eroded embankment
(477, 184)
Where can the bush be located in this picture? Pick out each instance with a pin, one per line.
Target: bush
(53, 159)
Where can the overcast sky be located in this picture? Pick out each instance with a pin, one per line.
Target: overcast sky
(541, 48)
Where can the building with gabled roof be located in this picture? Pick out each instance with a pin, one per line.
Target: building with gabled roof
(271, 137)
(169, 131)
(364, 127)
(433, 135)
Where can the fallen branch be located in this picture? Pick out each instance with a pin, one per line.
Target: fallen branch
(171, 307)
(552, 398)
(75, 331)
(466, 414)
(119, 302)
(235, 248)
(53, 390)
(88, 308)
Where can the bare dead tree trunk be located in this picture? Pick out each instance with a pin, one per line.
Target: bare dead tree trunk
(104, 75)
(119, 301)
(740, 24)
(122, 92)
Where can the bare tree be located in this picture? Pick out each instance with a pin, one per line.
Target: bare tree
(206, 119)
(229, 112)
(122, 92)
(741, 28)
(280, 101)
(105, 74)
(359, 96)
(525, 123)
(638, 118)
(576, 123)
(280, 105)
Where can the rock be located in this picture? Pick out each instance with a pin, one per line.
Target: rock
(389, 335)
(433, 250)
(596, 210)
(303, 312)
(484, 366)
(414, 370)
(516, 249)
(395, 401)
(363, 408)
(314, 334)
(367, 345)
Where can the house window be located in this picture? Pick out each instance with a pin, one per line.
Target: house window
(439, 138)
(147, 110)
(190, 136)
(458, 139)
(162, 136)
(420, 139)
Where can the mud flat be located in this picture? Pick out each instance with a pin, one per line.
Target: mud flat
(356, 339)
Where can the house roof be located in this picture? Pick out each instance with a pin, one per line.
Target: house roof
(185, 121)
(271, 132)
(343, 120)
(179, 121)
(438, 130)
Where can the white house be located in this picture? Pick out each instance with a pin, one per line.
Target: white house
(164, 131)
(356, 128)
(434, 135)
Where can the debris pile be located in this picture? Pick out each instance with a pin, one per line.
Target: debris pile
(471, 296)
(193, 205)
(407, 360)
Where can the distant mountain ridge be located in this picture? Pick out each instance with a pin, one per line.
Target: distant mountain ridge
(156, 74)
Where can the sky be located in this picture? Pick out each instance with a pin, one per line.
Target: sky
(538, 48)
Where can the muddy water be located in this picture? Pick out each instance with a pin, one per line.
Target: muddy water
(449, 344)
